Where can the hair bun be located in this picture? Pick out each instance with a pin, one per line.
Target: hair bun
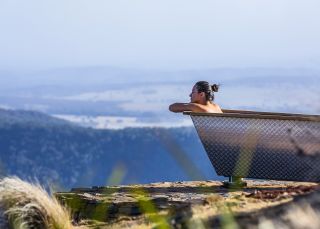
(215, 87)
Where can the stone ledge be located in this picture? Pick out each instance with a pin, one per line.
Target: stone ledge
(177, 202)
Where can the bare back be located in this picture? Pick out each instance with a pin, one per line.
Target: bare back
(208, 108)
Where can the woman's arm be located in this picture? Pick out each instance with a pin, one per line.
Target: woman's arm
(181, 107)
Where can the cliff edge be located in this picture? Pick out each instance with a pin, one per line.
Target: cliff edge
(197, 204)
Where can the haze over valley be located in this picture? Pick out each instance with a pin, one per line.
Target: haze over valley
(108, 97)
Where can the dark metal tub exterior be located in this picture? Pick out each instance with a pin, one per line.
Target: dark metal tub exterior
(261, 145)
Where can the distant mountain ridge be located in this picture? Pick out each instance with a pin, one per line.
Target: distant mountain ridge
(29, 117)
(89, 76)
(35, 145)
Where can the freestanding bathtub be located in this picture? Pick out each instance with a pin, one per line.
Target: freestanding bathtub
(262, 145)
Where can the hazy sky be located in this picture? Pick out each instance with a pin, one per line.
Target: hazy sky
(159, 33)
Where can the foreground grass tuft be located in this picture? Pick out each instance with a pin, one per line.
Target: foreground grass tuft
(27, 205)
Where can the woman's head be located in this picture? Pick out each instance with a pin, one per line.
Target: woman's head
(202, 90)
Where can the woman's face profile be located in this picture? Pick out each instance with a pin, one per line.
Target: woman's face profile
(194, 95)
